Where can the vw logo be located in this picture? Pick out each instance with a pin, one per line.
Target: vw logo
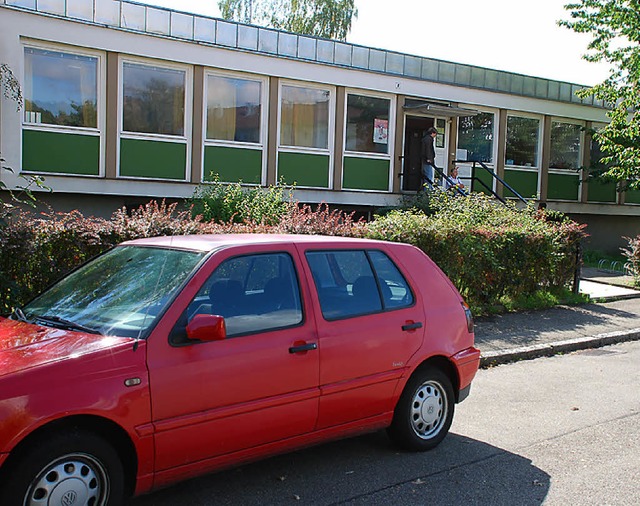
(69, 498)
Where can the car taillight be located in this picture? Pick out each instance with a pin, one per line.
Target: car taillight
(469, 315)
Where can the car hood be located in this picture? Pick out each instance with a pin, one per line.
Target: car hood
(26, 345)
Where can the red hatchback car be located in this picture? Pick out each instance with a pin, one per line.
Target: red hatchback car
(171, 357)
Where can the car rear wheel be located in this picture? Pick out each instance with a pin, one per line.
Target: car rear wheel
(424, 412)
(76, 468)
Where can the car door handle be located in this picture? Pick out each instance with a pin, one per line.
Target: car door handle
(303, 347)
(412, 326)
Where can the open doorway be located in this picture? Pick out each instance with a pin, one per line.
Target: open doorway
(415, 128)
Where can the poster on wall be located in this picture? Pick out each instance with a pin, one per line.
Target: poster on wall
(380, 131)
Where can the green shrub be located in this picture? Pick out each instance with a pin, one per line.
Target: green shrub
(489, 251)
(233, 203)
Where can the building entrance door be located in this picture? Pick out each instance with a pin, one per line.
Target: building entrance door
(415, 128)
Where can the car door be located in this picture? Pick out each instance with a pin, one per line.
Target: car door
(258, 385)
(370, 324)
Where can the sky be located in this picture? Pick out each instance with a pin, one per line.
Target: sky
(513, 35)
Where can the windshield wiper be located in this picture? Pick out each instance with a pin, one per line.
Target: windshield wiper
(61, 323)
(19, 315)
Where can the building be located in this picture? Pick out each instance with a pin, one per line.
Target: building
(126, 102)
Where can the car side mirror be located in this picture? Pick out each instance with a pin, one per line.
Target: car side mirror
(205, 327)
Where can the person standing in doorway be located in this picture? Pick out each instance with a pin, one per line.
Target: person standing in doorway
(428, 158)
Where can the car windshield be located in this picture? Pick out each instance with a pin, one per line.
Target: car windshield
(119, 293)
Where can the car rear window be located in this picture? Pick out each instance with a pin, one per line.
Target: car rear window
(357, 282)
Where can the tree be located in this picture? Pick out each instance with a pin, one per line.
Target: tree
(615, 29)
(322, 18)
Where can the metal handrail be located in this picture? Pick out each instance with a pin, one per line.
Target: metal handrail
(494, 176)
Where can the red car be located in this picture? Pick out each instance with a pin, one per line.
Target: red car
(171, 357)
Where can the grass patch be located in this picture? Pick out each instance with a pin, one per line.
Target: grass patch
(541, 299)
(592, 258)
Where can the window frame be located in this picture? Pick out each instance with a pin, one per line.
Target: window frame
(568, 121)
(538, 152)
(101, 99)
(186, 138)
(494, 143)
(391, 128)
(331, 117)
(262, 145)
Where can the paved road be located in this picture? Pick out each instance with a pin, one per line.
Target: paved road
(554, 431)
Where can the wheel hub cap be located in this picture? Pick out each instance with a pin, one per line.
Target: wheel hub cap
(428, 409)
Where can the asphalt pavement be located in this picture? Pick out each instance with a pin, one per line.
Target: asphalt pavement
(613, 316)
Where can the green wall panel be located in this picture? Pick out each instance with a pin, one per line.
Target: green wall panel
(632, 197)
(365, 174)
(524, 182)
(304, 169)
(563, 186)
(60, 152)
(233, 164)
(152, 159)
(599, 191)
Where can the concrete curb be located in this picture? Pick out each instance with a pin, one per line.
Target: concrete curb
(493, 358)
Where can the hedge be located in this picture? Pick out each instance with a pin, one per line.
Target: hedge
(489, 251)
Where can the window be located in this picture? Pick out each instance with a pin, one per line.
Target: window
(253, 293)
(475, 135)
(233, 109)
(522, 141)
(153, 99)
(61, 88)
(348, 286)
(304, 120)
(565, 145)
(367, 124)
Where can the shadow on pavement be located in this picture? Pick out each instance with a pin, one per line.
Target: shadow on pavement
(370, 470)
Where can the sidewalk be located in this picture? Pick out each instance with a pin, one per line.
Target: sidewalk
(612, 317)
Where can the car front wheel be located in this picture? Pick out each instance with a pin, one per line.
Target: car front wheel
(77, 468)
(424, 412)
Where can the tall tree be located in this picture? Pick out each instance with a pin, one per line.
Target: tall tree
(615, 29)
(331, 19)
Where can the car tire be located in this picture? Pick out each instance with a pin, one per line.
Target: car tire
(75, 467)
(424, 412)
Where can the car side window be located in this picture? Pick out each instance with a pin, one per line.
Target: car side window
(254, 293)
(353, 283)
(396, 292)
(345, 283)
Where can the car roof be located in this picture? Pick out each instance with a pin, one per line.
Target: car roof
(209, 242)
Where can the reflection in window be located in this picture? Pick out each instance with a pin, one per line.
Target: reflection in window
(304, 118)
(233, 109)
(475, 134)
(153, 100)
(367, 124)
(565, 145)
(522, 141)
(60, 88)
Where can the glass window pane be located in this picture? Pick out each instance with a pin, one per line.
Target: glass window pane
(475, 134)
(345, 283)
(60, 88)
(565, 145)
(395, 289)
(522, 141)
(233, 109)
(367, 124)
(304, 118)
(153, 99)
(253, 293)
